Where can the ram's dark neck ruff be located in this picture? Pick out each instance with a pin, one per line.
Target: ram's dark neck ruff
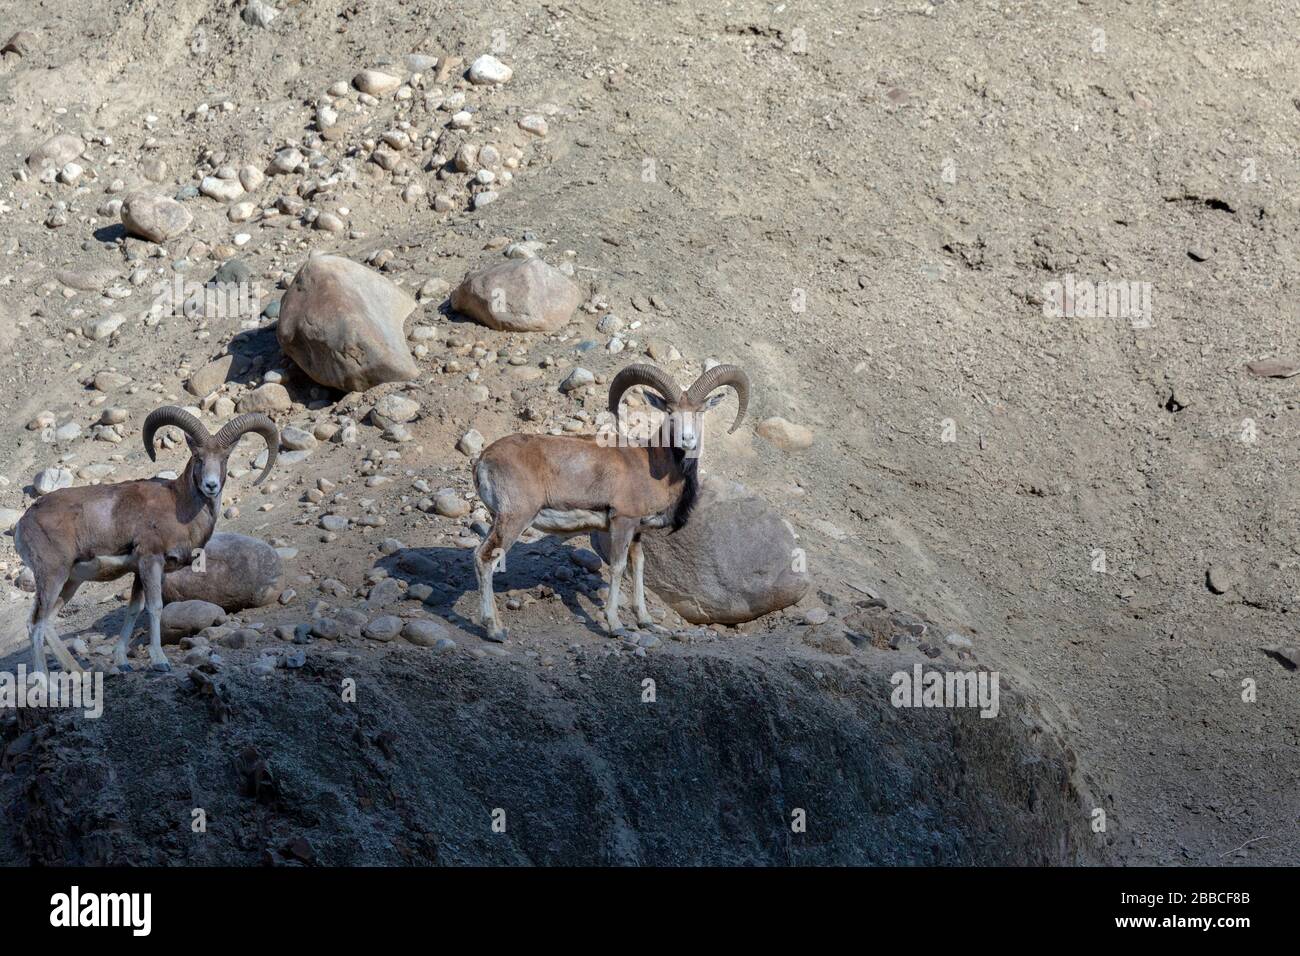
(690, 487)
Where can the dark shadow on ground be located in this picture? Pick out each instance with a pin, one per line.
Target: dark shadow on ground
(450, 572)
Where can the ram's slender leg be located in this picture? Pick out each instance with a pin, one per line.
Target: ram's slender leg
(621, 533)
(123, 648)
(506, 529)
(50, 595)
(34, 633)
(636, 557)
(54, 641)
(151, 573)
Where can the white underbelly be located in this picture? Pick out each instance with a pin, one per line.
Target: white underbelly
(105, 568)
(572, 521)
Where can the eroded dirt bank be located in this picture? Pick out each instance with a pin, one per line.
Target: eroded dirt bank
(585, 771)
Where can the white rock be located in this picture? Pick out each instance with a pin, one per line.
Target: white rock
(222, 190)
(376, 82)
(396, 407)
(52, 479)
(470, 444)
(104, 328)
(250, 177)
(285, 161)
(488, 70)
(259, 14)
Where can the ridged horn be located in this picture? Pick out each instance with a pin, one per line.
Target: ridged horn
(171, 415)
(647, 375)
(236, 428)
(717, 377)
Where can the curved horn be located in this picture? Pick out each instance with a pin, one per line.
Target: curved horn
(647, 375)
(236, 428)
(717, 377)
(171, 415)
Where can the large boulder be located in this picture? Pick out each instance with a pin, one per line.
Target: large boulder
(239, 572)
(735, 560)
(156, 218)
(343, 324)
(518, 295)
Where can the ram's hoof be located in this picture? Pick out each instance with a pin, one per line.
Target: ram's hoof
(161, 667)
(498, 636)
(124, 668)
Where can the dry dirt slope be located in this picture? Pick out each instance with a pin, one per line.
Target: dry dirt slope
(800, 154)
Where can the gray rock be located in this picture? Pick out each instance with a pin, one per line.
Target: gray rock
(450, 504)
(211, 376)
(470, 444)
(269, 398)
(259, 14)
(184, 617)
(343, 325)
(233, 271)
(155, 218)
(57, 151)
(222, 190)
(1221, 579)
(237, 640)
(734, 561)
(101, 329)
(89, 280)
(394, 408)
(239, 572)
(326, 628)
(518, 295)
(425, 633)
(383, 628)
(576, 379)
(293, 438)
(285, 161)
(52, 479)
(585, 559)
(385, 592)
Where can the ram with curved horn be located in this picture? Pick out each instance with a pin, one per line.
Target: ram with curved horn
(146, 527)
(566, 485)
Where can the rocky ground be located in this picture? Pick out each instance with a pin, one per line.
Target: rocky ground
(865, 208)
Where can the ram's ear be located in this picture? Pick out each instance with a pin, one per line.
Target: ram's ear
(715, 400)
(193, 445)
(656, 400)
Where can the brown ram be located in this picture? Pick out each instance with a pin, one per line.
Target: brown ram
(567, 485)
(149, 526)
